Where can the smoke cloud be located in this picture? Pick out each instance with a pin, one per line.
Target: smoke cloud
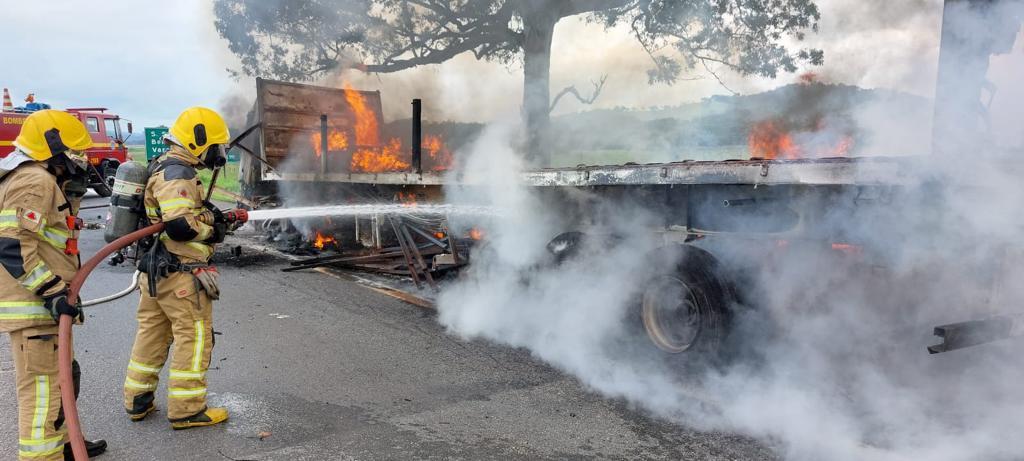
(828, 356)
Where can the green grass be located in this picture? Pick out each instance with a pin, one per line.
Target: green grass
(227, 180)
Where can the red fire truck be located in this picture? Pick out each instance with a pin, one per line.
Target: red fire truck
(107, 151)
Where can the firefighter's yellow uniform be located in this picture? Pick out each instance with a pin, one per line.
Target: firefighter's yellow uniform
(181, 311)
(35, 252)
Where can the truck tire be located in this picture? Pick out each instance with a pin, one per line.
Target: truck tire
(103, 185)
(685, 304)
(566, 245)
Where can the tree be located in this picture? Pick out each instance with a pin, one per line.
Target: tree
(302, 39)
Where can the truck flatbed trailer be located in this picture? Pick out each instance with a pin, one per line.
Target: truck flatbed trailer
(289, 119)
(890, 171)
(712, 217)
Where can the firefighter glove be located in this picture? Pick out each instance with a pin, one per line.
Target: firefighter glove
(58, 305)
(220, 229)
(218, 216)
(207, 279)
(206, 217)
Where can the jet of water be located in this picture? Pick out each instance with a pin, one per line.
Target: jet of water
(368, 209)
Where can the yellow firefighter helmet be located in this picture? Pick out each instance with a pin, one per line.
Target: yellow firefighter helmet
(198, 128)
(47, 133)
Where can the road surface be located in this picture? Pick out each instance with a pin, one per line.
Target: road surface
(324, 368)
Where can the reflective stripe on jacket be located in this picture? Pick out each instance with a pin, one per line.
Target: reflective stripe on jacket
(169, 197)
(33, 235)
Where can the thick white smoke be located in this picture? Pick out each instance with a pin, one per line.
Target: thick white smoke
(834, 364)
(570, 315)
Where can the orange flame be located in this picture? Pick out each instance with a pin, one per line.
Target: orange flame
(769, 140)
(476, 234)
(322, 241)
(336, 140)
(406, 198)
(367, 129)
(439, 153)
(376, 160)
(371, 155)
(807, 78)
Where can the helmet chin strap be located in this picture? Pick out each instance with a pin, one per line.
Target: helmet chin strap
(213, 157)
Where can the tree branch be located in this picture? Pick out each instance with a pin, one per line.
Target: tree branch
(574, 7)
(571, 89)
(713, 74)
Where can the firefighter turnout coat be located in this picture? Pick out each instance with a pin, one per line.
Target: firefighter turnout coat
(34, 234)
(181, 313)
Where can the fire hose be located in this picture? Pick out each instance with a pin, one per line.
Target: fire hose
(64, 353)
(120, 294)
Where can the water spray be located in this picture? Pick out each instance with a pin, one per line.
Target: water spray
(369, 209)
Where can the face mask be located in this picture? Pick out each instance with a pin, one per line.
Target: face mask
(74, 163)
(76, 186)
(214, 157)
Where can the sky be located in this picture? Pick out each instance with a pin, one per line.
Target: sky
(147, 63)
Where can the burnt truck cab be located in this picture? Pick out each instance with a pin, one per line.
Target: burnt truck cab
(108, 141)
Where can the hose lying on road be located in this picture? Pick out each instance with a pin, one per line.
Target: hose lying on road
(64, 352)
(118, 295)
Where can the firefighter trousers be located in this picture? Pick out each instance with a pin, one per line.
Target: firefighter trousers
(181, 315)
(41, 429)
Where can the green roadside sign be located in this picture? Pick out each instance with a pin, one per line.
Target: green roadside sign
(155, 146)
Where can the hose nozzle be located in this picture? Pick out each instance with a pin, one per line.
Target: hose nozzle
(238, 215)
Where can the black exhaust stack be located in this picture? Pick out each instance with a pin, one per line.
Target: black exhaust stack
(323, 144)
(417, 136)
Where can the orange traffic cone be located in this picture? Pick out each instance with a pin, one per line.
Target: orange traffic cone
(8, 105)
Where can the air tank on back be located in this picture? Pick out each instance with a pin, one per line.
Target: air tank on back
(127, 210)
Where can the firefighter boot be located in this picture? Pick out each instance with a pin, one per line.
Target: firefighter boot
(142, 406)
(207, 417)
(93, 447)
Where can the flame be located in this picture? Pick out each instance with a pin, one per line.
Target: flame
(376, 160)
(439, 153)
(336, 140)
(476, 234)
(848, 249)
(406, 198)
(807, 78)
(769, 140)
(367, 129)
(371, 155)
(322, 241)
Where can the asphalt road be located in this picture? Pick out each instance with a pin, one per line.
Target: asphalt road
(325, 368)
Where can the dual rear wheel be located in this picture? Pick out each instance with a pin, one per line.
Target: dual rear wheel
(684, 302)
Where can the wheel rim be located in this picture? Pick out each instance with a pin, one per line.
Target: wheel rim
(671, 314)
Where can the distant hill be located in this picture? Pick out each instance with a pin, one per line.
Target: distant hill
(880, 122)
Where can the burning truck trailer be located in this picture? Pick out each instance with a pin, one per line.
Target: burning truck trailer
(718, 221)
(314, 146)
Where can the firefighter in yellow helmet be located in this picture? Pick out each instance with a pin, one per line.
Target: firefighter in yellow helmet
(41, 185)
(176, 309)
